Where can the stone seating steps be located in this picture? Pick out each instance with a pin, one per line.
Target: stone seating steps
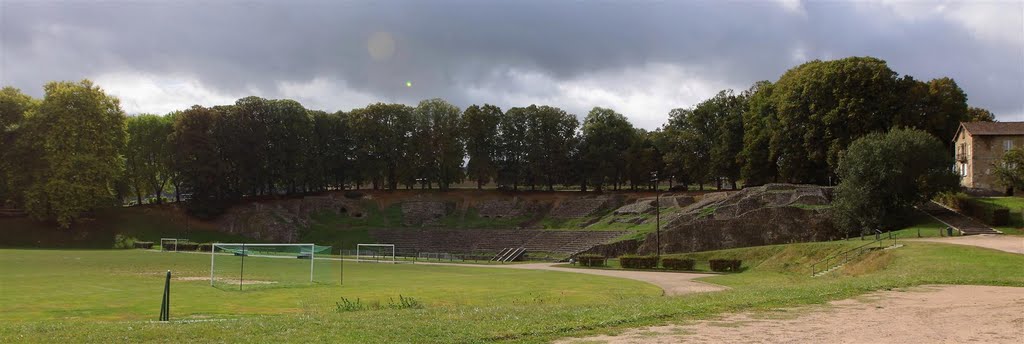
(491, 240)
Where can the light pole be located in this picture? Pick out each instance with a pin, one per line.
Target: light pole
(657, 211)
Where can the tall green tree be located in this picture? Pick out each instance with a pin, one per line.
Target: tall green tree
(382, 134)
(480, 127)
(1009, 170)
(147, 155)
(606, 137)
(445, 142)
(512, 138)
(885, 174)
(206, 173)
(976, 114)
(758, 166)
(14, 106)
(550, 132)
(81, 137)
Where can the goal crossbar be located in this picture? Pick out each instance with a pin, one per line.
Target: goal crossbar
(359, 256)
(243, 249)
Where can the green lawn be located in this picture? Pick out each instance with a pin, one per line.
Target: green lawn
(102, 296)
(103, 285)
(1016, 205)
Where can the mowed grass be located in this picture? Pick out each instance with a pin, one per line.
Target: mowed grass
(106, 285)
(1016, 206)
(775, 277)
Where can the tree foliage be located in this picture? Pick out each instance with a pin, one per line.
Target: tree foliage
(1009, 170)
(885, 175)
(78, 135)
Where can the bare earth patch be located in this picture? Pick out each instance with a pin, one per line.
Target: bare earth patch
(1006, 243)
(928, 314)
(672, 283)
(222, 280)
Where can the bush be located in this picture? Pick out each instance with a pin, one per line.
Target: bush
(144, 244)
(204, 247)
(124, 241)
(678, 264)
(638, 262)
(591, 260)
(991, 214)
(722, 265)
(353, 194)
(954, 200)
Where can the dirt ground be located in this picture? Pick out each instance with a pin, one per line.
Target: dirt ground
(928, 314)
(1007, 243)
(672, 283)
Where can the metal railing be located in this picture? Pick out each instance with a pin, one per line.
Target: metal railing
(846, 256)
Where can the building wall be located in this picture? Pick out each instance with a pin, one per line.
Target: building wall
(980, 153)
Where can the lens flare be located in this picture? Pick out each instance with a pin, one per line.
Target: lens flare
(408, 84)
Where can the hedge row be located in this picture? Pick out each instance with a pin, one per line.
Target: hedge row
(681, 264)
(638, 262)
(722, 265)
(591, 260)
(991, 214)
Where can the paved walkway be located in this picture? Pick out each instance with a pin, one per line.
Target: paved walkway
(672, 283)
(1006, 243)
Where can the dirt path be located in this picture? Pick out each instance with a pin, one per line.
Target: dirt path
(672, 283)
(930, 314)
(1007, 243)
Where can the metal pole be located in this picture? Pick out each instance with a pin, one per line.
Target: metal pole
(341, 268)
(312, 257)
(214, 245)
(241, 271)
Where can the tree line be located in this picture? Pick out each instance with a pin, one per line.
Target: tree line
(75, 150)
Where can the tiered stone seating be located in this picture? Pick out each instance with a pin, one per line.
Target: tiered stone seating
(490, 240)
(417, 213)
(498, 208)
(576, 208)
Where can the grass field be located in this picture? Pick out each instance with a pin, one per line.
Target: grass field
(107, 296)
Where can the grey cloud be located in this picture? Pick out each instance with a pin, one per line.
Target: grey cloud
(445, 47)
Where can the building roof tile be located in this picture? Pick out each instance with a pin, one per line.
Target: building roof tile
(994, 128)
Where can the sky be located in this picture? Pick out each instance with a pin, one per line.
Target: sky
(641, 58)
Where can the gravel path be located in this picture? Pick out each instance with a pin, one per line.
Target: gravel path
(672, 283)
(1007, 243)
(930, 314)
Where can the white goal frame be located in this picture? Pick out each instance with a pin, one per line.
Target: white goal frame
(359, 257)
(213, 255)
(175, 240)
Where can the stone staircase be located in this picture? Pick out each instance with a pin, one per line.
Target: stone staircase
(963, 223)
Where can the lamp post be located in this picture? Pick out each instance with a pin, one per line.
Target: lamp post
(657, 211)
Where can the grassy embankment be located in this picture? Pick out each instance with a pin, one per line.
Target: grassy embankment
(462, 304)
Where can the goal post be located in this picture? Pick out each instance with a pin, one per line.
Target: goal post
(374, 252)
(229, 259)
(172, 243)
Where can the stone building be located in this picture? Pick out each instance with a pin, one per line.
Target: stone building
(979, 145)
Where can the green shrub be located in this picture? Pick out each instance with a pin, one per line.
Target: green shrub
(958, 201)
(347, 305)
(124, 241)
(638, 262)
(722, 265)
(678, 264)
(991, 214)
(591, 260)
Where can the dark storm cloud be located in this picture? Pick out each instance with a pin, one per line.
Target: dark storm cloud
(449, 47)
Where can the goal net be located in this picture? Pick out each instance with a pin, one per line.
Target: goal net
(378, 253)
(264, 265)
(171, 244)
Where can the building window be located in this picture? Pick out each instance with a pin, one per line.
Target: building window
(1007, 145)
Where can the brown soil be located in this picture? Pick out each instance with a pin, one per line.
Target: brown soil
(1007, 243)
(929, 314)
(223, 280)
(672, 283)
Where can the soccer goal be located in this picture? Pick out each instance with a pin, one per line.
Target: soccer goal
(377, 253)
(171, 244)
(265, 264)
